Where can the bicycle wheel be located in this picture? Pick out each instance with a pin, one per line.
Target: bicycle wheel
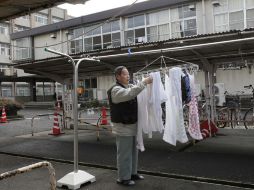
(222, 118)
(249, 119)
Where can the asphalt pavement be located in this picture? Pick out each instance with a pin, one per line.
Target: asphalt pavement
(221, 162)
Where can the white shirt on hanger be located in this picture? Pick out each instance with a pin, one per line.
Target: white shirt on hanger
(149, 109)
(174, 126)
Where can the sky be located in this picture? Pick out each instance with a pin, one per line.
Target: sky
(93, 6)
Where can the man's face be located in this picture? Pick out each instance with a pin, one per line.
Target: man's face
(124, 77)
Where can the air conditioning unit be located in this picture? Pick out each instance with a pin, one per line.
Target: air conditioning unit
(216, 3)
(219, 92)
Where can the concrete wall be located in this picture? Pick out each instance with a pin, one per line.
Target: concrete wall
(234, 80)
(58, 12)
(22, 22)
(4, 38)
(4, 59)
(105, 82)
(46, 39)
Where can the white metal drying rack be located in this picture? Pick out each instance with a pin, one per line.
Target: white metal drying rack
(187, 65)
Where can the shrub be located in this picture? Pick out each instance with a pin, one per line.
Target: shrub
(11, 106)
(94, 104)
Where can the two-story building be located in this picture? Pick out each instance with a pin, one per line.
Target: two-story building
(8, 87)
(215, 34)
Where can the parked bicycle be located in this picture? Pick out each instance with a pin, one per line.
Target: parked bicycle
(249, 115)
(230, 114)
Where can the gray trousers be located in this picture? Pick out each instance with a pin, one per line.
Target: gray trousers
(127, 156)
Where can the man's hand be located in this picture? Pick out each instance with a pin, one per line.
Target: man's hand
(148, 80)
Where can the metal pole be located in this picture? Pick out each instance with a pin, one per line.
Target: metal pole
(75, 115)
(77, 177)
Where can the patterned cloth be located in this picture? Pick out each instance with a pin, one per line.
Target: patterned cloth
(194, 125)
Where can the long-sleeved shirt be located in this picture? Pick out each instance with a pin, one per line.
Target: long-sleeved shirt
(120, 94)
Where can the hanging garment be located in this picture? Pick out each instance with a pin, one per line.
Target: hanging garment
(174, 126)
(149, 109)
(156, 98)
(194, 125)
(186, 90)
(142, 118)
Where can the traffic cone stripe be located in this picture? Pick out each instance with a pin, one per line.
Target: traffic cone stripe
(3, 118)
(104, 120)
(56, 130)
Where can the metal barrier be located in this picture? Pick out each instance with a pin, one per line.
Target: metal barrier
(31, 167)
(40, 115)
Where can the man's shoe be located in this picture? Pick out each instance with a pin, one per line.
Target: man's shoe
(137, 177)
(125, 182)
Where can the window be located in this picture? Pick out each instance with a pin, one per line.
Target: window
(4, 49)
(163, 32)
(236, 20)
(90, 83)
(115, 25)
(6, 91)
(135, 30)
(136, 21)
(76, 46)
(88, 43)
(111, 27)
(230, 15)
(140, 35)
(152, 34)
(129, 37)
(250, 13)
(22, 49)
(107, 41)
(97, 42)
(4, 28)
(158, 26)
(96, 29)
(116, 39)
(42, 19)
(23, 91)
(111, 38)
(183, 22)
(250, 18)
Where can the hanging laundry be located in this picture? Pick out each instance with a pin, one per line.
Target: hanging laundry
(186, 90)
(194, 125)
(174, 127)
(149, 109)
(142, 118)
(156, 98)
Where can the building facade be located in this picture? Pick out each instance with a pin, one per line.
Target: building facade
(7, 53)
(146, 22)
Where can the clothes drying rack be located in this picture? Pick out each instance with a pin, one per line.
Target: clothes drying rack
(190, 67)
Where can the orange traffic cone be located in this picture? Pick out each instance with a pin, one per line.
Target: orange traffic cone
(104, 120)
(56, 129)
(3, 118)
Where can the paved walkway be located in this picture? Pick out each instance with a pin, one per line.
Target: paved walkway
(222, 162)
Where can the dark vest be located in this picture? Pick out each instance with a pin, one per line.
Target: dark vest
(123, 112)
